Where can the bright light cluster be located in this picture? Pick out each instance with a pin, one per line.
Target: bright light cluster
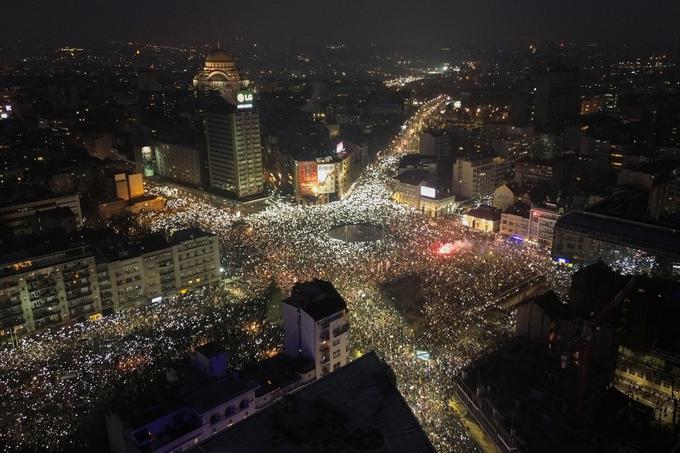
(57, 382)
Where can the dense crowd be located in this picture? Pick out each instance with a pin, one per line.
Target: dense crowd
(58, 380)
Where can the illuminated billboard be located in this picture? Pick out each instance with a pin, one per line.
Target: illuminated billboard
(428, 192)
(244, 100)
(148, 161)
(326, 178)
(307, 178)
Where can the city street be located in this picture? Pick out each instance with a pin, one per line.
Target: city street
(56, 382)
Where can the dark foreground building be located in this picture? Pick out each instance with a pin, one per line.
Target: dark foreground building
(356, 408)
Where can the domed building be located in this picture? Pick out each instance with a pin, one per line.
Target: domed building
(219, 74)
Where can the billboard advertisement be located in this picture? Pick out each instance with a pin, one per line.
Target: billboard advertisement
(244, 100)
(307, 178)
(148, 163)
(326, 177)
(428, 192)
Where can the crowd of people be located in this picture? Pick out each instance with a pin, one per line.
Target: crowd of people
(56, 381)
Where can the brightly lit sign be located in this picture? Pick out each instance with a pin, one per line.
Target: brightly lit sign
(428, 192)
(326, 178)
(307, 178)
(244, 97)
(244, 100)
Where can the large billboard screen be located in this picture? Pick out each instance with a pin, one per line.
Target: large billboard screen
(428, 192)
(326, 174)
(307, 178)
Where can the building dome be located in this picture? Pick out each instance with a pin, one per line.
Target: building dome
(219, 56)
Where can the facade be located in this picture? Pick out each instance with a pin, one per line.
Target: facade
(542, 221)
(80, 279)
(533, 172)
(196, 257)
(652, 378)
(475, 178)
(219, 75)
(415, 188)
(515, 222)
(234, 150)
(129, 186)
(180, 162)
(130, 197)
(316, 326)
(322, 180)
(18, 217)
(47, 288)
(504, 196)
(588, 236)
(435, 143)
(483, 218)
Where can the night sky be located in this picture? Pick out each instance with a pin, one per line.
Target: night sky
(400, 22)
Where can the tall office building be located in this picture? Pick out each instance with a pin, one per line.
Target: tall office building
(234, 149)
(556, 96)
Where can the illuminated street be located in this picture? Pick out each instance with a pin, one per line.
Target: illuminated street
(56, 381)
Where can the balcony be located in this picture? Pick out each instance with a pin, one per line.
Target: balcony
(340, 330)
(11, 321)
(80, 301)
(80, 311)
(75, 274)
(75, 284)
(324, 335)
(38, 284)
(6, 301)
(42, 294)
(11, 313)
(40, 323)
(73, 295)
(44, 312)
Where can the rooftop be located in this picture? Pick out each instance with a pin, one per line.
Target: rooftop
(277, 372)
(645, 236)
(318, 298)
(188, 234)
(356, 408)
(485, 212)
(210, 350)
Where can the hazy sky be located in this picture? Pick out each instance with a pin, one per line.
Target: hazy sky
(421, 22)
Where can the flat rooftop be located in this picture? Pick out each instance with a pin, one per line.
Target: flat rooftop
(645, 236)
(356, 408)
